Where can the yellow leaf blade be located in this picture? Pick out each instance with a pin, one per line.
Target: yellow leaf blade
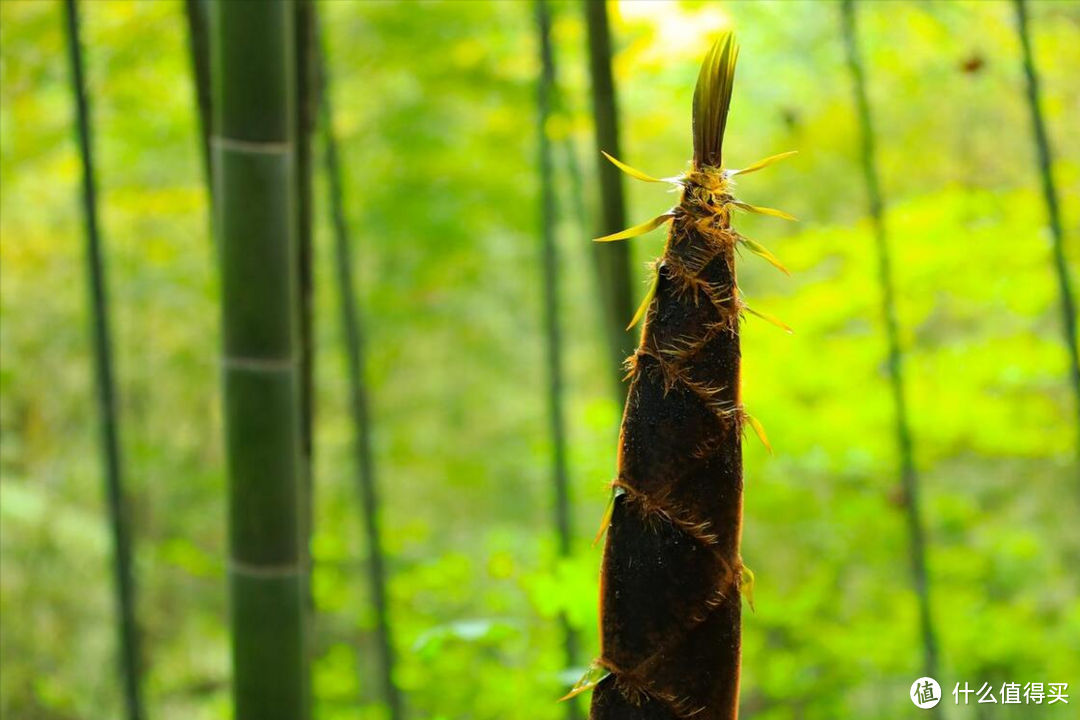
(746, 586)
(763, 253)
(769, 318)
(595, 675)
(609, 512)
(632, 172)
(762, 164)
(637, 229)
(644, 307)
(759, 430)
(763, 210)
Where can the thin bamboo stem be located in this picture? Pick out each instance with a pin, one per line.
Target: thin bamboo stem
(306, 90)
(552, 331)
(908, 474)
(253, 145)
(612, 259)
(305, 128)
(105, 385)
(576, 191)
(577, 185)
(197, 13)
(1053, 211)
(355, 357)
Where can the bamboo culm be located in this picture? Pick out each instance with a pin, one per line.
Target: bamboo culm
(355, 357)
(1053, 212)
(612, 261)
(304, 28)
(254, 95)
(909, 476)
(672, 577)
(105, 387)
(552, 332)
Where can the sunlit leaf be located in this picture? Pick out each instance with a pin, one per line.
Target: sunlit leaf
(592, 677)
(609, 511)
(763, 253)
(644, 307)
(637, 229)
(632, 172)
(759, 430)
(746, 586)
(769, 318)
(763, 210)
(762, 164)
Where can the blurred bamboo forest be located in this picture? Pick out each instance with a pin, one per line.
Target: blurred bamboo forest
(435, 116)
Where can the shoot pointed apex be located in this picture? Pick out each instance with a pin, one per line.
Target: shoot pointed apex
(712, 98)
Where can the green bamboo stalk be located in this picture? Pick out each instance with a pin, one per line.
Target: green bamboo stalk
(908, 474)
(612, 259)
(304, 28)
(197, 14)
(355, 357)
(1053, 211)
(552, 332)
(568, 147)
(105, 385)
(254, 95)
(577, 184)
(305, 128)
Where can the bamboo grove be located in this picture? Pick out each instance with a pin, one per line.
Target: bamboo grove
(672, 579)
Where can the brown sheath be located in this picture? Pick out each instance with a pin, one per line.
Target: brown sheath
(670, 602)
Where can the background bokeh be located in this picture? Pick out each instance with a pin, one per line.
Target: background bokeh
(435, 111)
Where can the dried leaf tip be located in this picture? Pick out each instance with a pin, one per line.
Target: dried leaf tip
(712, 99)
